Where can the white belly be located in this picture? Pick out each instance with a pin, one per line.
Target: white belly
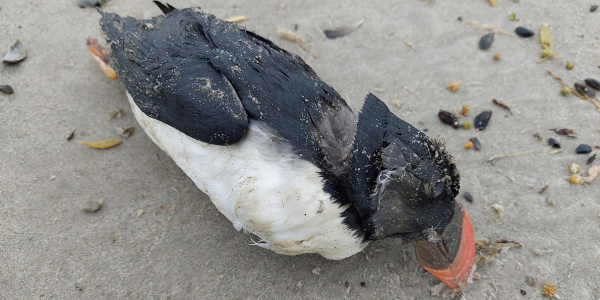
(263, 188)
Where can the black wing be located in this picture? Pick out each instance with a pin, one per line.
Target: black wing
(172, 85)
(169, 61)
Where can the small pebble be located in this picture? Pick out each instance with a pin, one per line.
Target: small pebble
(16, 53)
(554, 143)
(363, 284)
(459, 19)
(537, 252)
(512, 17)
(497, 56)
(468, 145)
(347, 284)
(468, 197)
(550, 202)
(593, 8)
(593, 83)
(486, 41)
(476, 143)
(574, 168)
(583, 149)
(482, 119)
(523, 292)
(499, 209)
(448, 118)
(524, 32)
(7, 89)
(591, 159)
(90, 205)
(140, 212)
(530, 281)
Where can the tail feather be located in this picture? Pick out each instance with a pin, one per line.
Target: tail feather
(164, 8)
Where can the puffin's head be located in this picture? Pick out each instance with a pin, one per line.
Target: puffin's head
(413, 199)
(412, 190)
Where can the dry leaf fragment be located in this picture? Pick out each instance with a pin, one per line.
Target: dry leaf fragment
(486, 251)
(100, 55)
(295, 37)
(453, 87)
(547, 41)
(502, 104)
(115, 114)
(565, 131)
(342, 31)
(237, 19)
(126, 132)
(103, 144)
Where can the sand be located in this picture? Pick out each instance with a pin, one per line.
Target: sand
(157, 236)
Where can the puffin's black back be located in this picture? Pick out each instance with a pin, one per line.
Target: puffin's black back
(207, 78)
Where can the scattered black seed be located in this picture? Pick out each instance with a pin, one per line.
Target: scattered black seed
(554, 143)
(524, 32)
(593, 8)
(591, 159)
(523, 292)
(459, 19)
(448, 118)
(347, 284)
(591, 93)
(363, 284)
(71, 136)
(7, 89)
(482, 119)
(476, 143)
(486, 41)
(468, 197)
(593, 83)
(584, 90)
(583, 149)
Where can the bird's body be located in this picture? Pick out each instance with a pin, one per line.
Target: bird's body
(279, 152)
(262, 187)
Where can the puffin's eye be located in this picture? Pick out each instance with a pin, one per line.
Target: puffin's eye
(438, 188)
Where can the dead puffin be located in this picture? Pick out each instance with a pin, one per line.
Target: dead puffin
(279, 152)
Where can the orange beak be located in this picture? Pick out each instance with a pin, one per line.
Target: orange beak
(450, 256)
